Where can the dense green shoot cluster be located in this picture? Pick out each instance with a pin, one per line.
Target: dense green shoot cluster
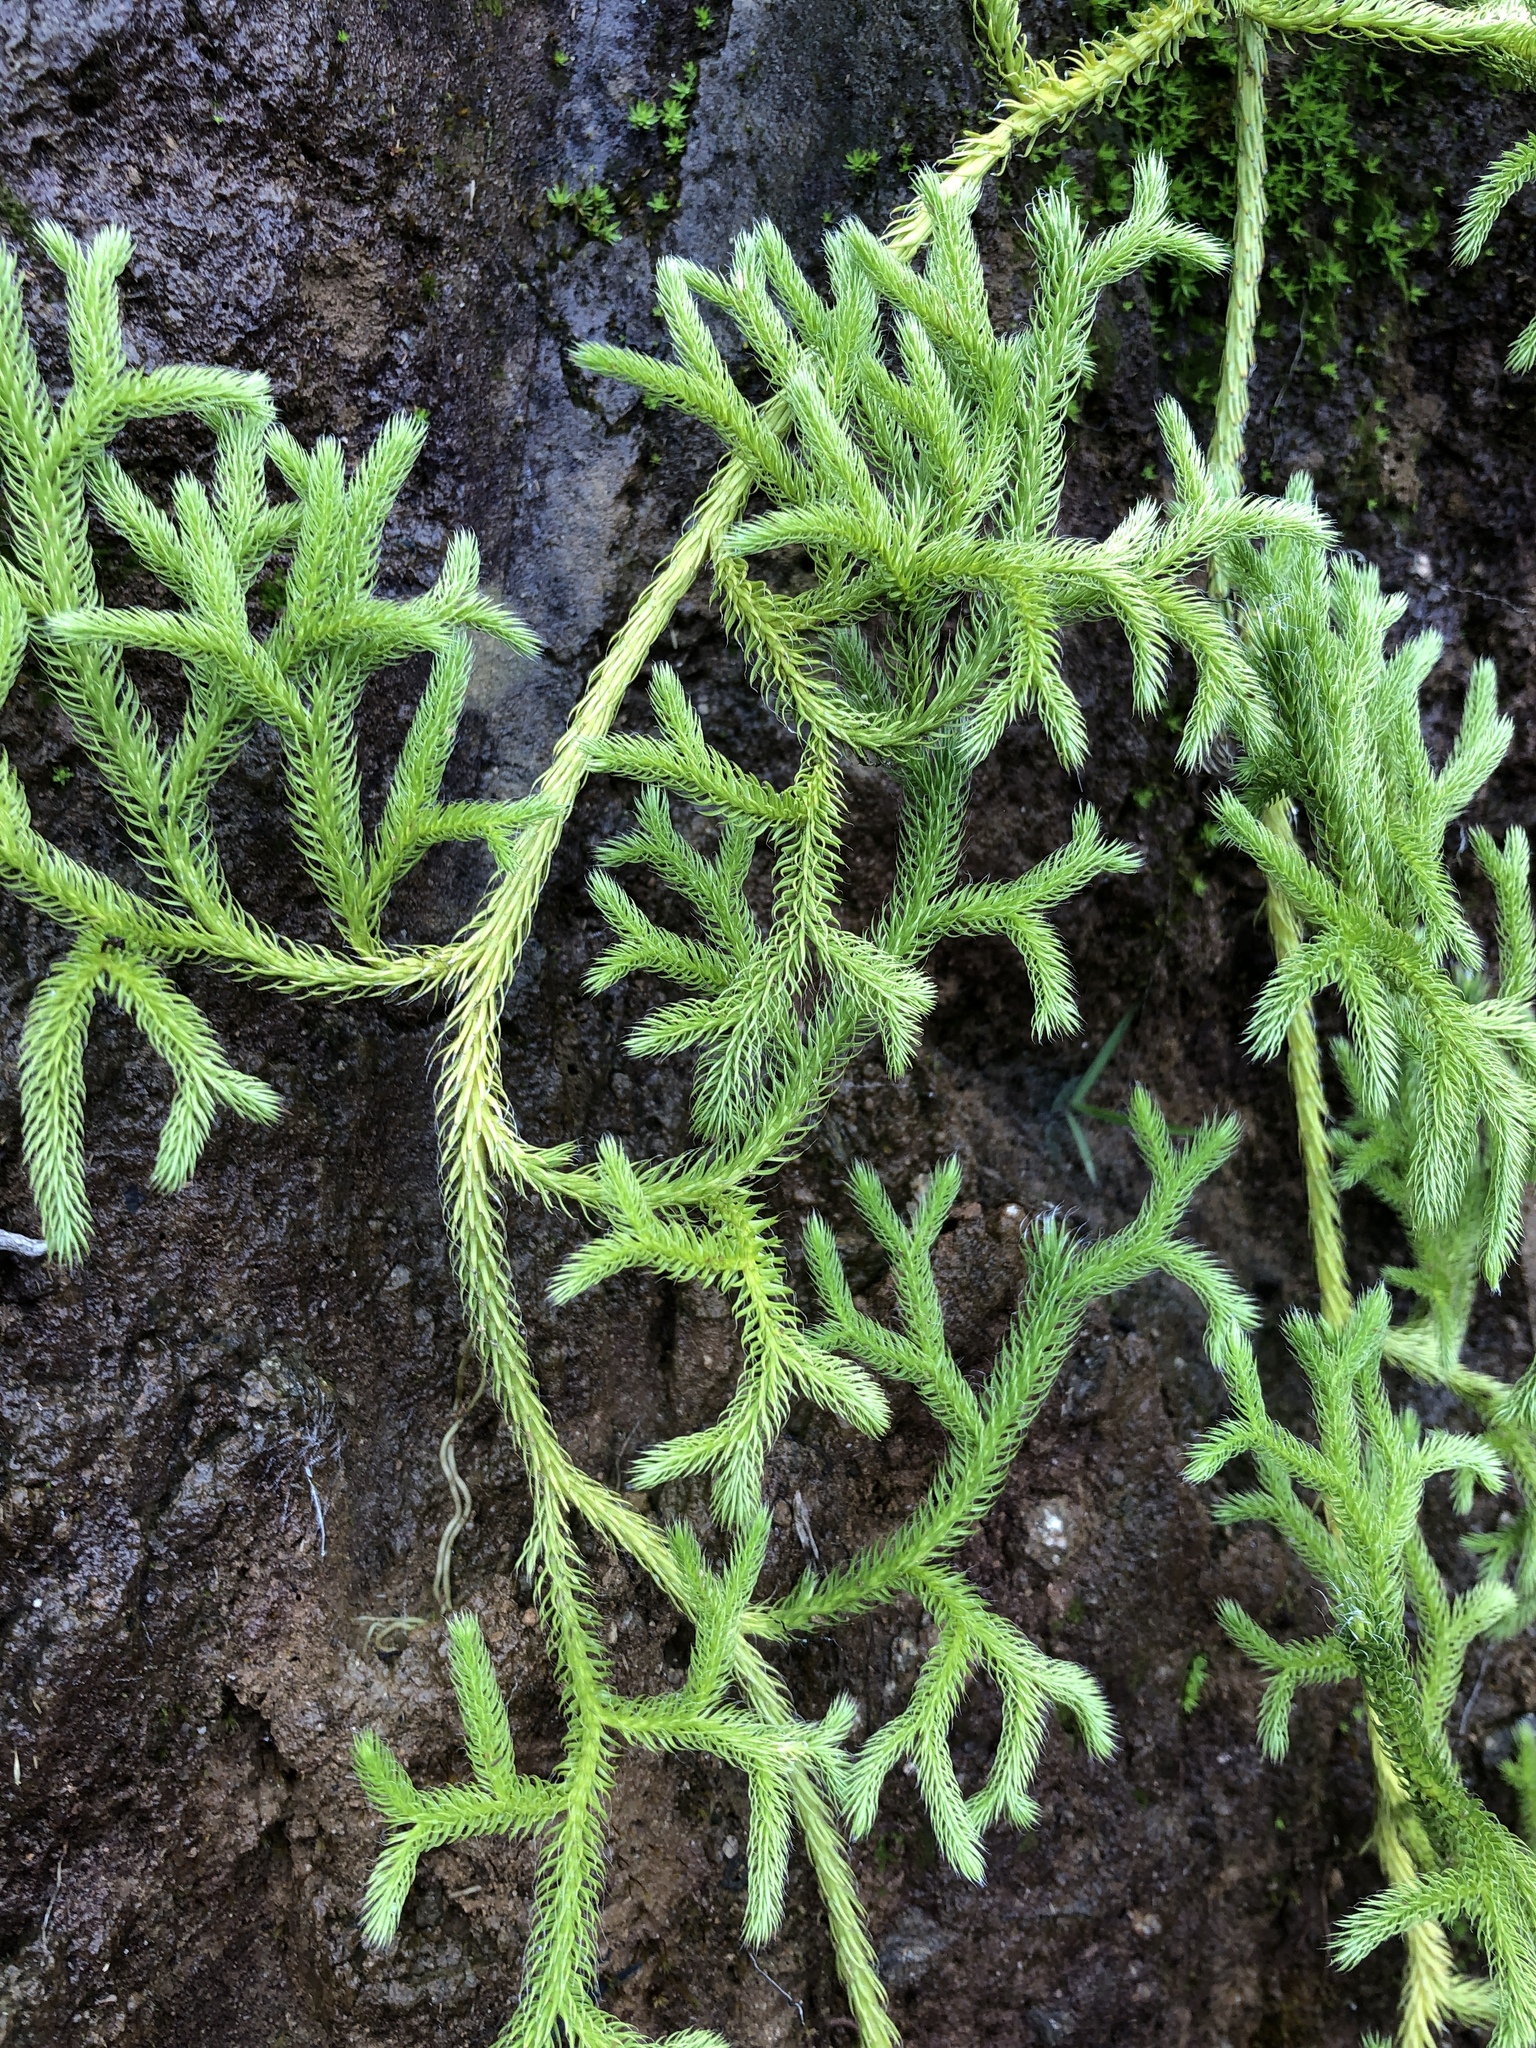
(304, 678)
(937, 491)
(1441, 1065)
(728, 1705)
(1349, 1506)
(916, 459)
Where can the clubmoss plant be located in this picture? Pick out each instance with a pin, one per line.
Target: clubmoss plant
(1510, 174)
(591, 207)
(303, 678)
(1439, 1063)
(1440, 1069)
(916, 458)
(919, 465)
(883, 540)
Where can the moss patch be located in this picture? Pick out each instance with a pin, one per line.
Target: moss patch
(1345, 207)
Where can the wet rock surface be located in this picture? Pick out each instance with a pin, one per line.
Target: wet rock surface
(219, 1440)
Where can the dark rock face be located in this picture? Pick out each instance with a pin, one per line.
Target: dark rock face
(219, 1440)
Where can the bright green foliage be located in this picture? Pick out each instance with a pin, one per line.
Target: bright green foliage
(920, 469)
(590, 205)
(729, 1706)
(1520, 1771)
(53, 1079)
(1442, 1068)
(1506, 176)
(1349, 1507)
(304, 678)
(499, 1802)
(680, 95)
(1003, 47)
(1439, 1065)
(927, 504)
(915, 459)
(1442, 1279)
(985, 1432)
(936, 492)
(912, 460)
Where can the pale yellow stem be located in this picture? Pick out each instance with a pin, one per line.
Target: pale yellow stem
(1237, 355)
(1095, 73)
(1432, 1991)
(1304, 1063)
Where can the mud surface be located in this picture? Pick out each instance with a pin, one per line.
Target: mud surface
(220, 1441)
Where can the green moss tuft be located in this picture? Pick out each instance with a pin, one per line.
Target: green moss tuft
(1338, 218)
